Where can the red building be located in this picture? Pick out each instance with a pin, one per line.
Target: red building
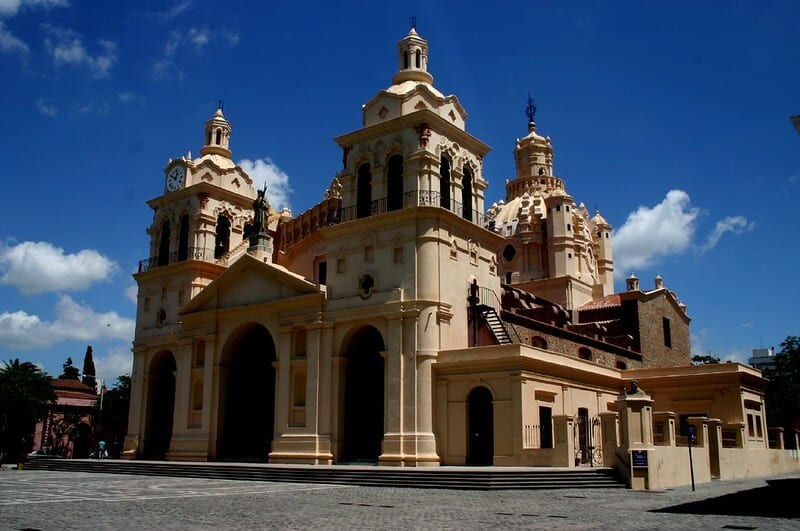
(67, 428)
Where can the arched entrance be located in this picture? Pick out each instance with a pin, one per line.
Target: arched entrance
(247, 409)
(363, 402)
(82, 442)
(480, 427)
(160, 405)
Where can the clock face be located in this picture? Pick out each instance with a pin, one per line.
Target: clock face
(175, 178)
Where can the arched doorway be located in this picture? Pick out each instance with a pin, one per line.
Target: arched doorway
(480, 426)
(160, 405)
(363, 402)
(82, 442)
(247, 410)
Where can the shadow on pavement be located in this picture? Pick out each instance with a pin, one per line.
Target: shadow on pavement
(777, 500)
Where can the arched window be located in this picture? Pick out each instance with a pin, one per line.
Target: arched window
(466, 195)
(183, 241)
(405, 60)
(394, 196)
(219, 136)
(223, 240)
(364, 192)
(419, 56)
(163, 245)
(541, 172)
(208, 141)
(539, 342)
(585, 354)
(444, 183)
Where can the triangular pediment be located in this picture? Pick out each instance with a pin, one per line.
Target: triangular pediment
(247, 282)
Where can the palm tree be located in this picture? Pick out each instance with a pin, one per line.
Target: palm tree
(25, 395)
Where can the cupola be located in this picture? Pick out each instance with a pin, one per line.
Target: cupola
(217, 135)
(412, 54)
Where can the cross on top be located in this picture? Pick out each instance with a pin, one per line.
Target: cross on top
(414, 22)
(530, 110)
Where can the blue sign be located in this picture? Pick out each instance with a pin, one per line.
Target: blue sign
(692, 434)
(639, 458)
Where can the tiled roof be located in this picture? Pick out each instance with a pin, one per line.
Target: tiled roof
(609, 301)
(75, 394)
(76, 385)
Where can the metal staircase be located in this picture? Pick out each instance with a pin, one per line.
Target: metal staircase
(494, 323)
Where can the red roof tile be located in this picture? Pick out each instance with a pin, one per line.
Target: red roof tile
(609, 301)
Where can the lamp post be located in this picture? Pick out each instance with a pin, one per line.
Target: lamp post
(692, 438)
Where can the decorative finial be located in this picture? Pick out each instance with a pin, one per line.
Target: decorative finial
(530, 110)
(221, 105)
(414, 23)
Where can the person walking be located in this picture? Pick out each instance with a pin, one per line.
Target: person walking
(101, 449)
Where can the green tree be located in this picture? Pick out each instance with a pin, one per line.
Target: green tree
(88, 369)
(114, 414)
(25, 395)
(708, 359)
(64, 428)
(70, 372)
(783, 389)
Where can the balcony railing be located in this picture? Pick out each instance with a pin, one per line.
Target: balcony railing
(191, 253)
(410, 199)
(333, 217)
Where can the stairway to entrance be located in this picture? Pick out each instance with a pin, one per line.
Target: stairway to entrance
(463, 478)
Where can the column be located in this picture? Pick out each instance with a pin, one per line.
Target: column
(636, 420)
(563, 441)
(136, 412)
(282, 384)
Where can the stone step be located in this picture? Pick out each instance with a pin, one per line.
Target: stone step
(441, 477)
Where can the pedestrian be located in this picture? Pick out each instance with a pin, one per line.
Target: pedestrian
(101, 449)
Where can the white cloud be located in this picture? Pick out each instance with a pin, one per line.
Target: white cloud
(265, 171)
(199, 37)
(19, 330)
(39, 267)
(9, 43)
(651, 233)
(131, 98)
(131, 293)
(167, 67)
(734, 224)
(67, 48)
(46, 107)
(175, 10)
(231, 37)
(100, 108)
(10, 7)
(117, 361)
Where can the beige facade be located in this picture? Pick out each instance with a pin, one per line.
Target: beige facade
(395, 322)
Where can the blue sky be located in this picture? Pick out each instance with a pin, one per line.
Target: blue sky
(672, 118)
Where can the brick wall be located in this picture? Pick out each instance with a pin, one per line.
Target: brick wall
(568, 343)
(651, 333)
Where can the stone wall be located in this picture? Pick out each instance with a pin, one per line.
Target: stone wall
(652, 333)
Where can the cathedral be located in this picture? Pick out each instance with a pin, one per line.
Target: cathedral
(401, 321)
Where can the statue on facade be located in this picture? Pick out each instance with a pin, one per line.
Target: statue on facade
(260, 210)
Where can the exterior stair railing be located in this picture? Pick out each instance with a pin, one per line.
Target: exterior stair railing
(486, 303)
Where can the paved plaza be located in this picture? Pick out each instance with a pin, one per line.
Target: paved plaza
(48, 500)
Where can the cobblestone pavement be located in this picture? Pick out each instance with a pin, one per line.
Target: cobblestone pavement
(46, 500)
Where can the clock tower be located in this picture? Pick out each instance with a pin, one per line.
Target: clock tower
(198, 230)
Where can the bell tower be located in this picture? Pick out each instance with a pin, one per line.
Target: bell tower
(411, 237)
(198, 230)
(198, 227)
